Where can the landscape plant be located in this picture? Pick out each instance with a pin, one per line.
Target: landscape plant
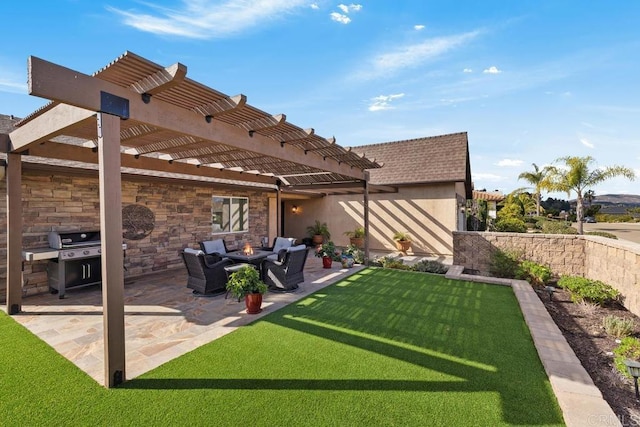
(536, 178)
(594, 291)
(618, 327)
(504, 263)
(602, 234)
(557, 227)
(430, 266)
(534, 273)
(510, 225)
(355, 252)
(319, 229)
(629, 348)
(574, 175)
(245, 281)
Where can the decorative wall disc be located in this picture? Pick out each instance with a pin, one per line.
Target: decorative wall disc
(137, 222)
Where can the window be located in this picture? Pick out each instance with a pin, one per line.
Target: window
(229, 214)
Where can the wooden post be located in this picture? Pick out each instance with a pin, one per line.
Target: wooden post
(278, 209)
(366, 218)
(112, 257)
(14, 233)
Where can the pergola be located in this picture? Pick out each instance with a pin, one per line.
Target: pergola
(136, 114)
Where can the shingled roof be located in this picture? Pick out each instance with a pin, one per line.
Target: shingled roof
(434, 159)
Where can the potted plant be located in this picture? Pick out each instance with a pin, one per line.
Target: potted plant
(356, 237)
(327, 251)
(354, 252)
(318, 232)
(246, 283)
(403, 241)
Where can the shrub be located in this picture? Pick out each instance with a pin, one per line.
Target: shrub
(511, 225)
(355, 252)
(586, 308)
(504, 263)
(602, 234)
(593, 291)
(390, 262)
(534, 273)
(557, 227)
(629, 348)
(428, 266)
(617, 326)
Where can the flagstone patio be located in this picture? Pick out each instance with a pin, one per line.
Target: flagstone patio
(163, 319)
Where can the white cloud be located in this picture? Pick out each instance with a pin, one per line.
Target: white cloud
(7, 85)
(382, 102)
(467, 70)
(315, 6)
(204, 19)
(492, 70)
(12, 81)
(351, 8)
(418, 27)
(509, 163)
(412, 55)
(586, 143)
(338, 17)
(487, 177)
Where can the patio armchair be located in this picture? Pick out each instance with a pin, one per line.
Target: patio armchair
(285, 275)
(280, 245)
(215, 250)
(205, 278)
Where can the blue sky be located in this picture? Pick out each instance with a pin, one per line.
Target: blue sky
(530, 81)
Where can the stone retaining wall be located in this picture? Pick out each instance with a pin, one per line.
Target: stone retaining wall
(615, 262)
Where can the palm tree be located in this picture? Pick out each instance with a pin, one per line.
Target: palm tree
(537, 179)
(575, 175)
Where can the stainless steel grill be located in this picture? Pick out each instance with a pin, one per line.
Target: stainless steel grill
(79, 261)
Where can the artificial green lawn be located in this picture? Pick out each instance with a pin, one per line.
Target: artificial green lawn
(383, 347)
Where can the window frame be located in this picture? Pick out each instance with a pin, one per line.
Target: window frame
(226, 213)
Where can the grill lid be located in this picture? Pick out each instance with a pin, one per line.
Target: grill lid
(73, 239)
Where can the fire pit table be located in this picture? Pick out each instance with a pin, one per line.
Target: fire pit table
(255, 257)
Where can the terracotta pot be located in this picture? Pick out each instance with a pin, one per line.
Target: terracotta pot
(403, 246)
(253, 303)
(358, 242)
(326, 262)
(317, 239)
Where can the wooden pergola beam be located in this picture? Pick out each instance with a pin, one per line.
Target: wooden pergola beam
(87, 155)
(59, 120)
(64, 85)
(162, 80)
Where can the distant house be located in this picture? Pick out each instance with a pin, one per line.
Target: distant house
(421, 189)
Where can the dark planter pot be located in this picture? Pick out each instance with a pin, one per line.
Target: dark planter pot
(253, 303)
(326, 262)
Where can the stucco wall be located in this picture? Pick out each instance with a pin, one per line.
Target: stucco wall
(71, 202)
(428, 213)
(615, 262)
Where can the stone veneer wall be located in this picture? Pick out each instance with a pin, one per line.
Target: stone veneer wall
(615, 262)
(71, 202)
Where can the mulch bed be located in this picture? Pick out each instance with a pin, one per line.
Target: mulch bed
(582, 327)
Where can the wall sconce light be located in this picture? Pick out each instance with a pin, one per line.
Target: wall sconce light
(295, 209)
(633, 368)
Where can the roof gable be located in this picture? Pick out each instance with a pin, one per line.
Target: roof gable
(443, 158)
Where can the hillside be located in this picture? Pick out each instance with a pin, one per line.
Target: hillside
(617, 199)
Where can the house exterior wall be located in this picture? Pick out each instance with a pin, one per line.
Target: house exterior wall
(615, 262)
(429, 213)
(71, 202)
